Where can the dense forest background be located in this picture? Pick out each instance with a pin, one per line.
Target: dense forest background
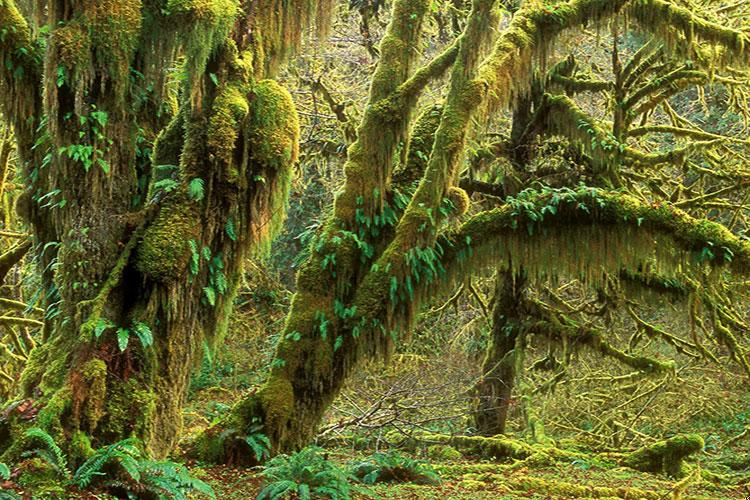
(396, 249)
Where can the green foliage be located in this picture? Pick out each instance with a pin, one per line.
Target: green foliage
(7, 494)
(4, 471)
(124, 459)
(141, 330)
(258, 442)
(92, 146)
(196, 190)
(394, 467)
(48, 450)
(306, 474)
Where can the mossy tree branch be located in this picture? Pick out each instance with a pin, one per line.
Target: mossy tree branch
(13, 257)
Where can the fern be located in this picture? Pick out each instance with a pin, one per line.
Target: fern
(306, 474)
(121, 451)
(195, 189)
(396, 468)
(259, 443)
(7, 494)
(4, 471)
(50, 452)
(163, 478)
(144, 334)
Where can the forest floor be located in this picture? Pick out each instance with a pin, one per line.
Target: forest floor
(484, 480)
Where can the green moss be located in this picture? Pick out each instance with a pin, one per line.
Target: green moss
(35, 367)
(52, 417)
(79, 448)
(420, 147)
(202, 25)
(274, 125)
(274, 133)
(277, 400)
(41, 478)
(129, 408)
(443, 453)
(165, 251)
(494, 448)
(277, 27)
(229, 110)
(666, 456)
(168, 144)
(113, 27)
(95, 375)
(73, 45)
(459, 198)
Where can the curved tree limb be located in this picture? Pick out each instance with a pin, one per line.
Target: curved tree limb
(13, 257)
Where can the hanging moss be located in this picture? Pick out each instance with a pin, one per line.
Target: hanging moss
(666, 19)
(21, 63)
(73, 46)
(202, 25)
(165, 251)
(278, 26)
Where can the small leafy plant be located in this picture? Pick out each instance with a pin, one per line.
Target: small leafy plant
(140, 475)
(393, 467)
(47, 450)
(306, 474)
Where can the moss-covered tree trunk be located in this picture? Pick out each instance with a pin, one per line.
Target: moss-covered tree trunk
(494, 390)
(145, 196)
(381, 254)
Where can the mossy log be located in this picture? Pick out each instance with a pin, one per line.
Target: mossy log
(665, 457)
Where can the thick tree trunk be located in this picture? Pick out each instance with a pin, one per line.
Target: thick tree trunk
(138, 277)
(494, 390)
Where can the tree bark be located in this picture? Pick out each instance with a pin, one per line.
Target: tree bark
(494, 391)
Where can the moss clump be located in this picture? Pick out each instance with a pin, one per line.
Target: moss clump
(274, 126)
(666, 456)
(229, 110)
(129, 409)
(274, 148)
(420, 147)
(165, 251)
(114, 27)
(73, 46)
(52, 416)
(443, 453)
(169, 143)
(495, 448)
(459, 198)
